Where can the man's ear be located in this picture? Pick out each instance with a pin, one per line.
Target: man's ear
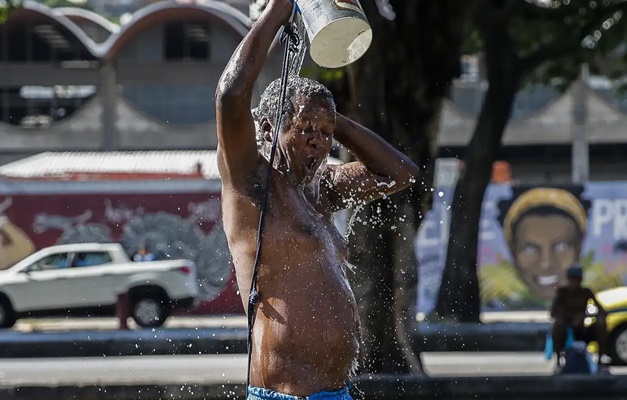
(266, 128)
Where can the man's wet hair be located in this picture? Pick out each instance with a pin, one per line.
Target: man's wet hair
(296, 85)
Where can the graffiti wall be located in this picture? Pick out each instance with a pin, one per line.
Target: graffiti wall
(169, 225)
(528, 237)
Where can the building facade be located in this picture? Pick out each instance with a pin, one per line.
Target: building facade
(538, 141)
(70, 80)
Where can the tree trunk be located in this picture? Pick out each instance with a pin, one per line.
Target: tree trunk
(397, 89)
(459, 297)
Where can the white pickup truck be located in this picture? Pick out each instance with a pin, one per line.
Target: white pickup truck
(87, 278)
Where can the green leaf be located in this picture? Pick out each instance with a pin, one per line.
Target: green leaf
(8, 8)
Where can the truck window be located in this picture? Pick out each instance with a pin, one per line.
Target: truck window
(91, 258)
(53, 261)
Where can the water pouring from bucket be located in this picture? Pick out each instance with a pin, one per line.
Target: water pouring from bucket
(338, 30)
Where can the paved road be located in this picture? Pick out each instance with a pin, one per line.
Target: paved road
(65, 324)
(231, 368)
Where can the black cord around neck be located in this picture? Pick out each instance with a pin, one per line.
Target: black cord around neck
(291, 39)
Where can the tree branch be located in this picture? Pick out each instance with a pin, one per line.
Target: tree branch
(488, 12)
(553, 51)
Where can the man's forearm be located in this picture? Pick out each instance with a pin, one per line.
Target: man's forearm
(239, 76)
(379, 156)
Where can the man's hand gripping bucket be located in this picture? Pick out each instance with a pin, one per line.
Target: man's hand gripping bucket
(338, 30)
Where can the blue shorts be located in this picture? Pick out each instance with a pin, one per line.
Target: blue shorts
(257, 393)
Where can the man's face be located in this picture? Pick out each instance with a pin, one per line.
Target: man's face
(545, 247)
(308, 135)
(574, 283)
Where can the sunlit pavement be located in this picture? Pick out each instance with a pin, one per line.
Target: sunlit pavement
(97, 324)
(83, 324)
(231, 368)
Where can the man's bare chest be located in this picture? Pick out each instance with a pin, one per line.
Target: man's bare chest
(302, 229)
(293, 224)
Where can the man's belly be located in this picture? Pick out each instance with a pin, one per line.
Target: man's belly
(306, 330)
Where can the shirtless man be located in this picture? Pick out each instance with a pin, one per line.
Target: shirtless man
(306, 333)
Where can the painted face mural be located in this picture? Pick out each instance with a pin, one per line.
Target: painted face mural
(544, 229)
(528, 237)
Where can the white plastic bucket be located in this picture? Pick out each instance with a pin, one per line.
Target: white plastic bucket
(338, 30)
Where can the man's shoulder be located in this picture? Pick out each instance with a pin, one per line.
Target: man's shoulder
(587, 291)
(559, 293)
(246, 188)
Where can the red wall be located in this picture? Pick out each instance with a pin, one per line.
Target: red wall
(181, 225)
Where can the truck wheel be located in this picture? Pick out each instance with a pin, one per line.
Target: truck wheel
(149, 310)
(7, 315)
(618, 345)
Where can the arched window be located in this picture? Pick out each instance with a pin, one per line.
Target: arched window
(44, 43)
(39, 106)
(38, 42)
(187, 41)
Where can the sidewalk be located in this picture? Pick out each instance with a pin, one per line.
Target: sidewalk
(509, 316)
(459, 376)
(112, 324)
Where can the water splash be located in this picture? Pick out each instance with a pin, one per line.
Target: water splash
(356, 209)
(385, 9)
(314, 185)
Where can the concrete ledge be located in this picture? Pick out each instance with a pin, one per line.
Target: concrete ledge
(426, 337)
(498, 336)
(381, 387)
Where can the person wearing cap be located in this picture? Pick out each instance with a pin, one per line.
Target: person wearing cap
(569, 311)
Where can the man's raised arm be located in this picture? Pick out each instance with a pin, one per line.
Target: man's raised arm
(237, 148)
(380, 170)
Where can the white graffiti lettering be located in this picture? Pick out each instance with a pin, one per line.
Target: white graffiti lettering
(121, 214)
(612, 214)
(434, 230)
(209, 210)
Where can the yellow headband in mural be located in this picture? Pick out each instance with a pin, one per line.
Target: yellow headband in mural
(541, 197)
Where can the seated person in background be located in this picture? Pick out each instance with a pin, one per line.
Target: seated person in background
(144, 255)
(569, 311)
